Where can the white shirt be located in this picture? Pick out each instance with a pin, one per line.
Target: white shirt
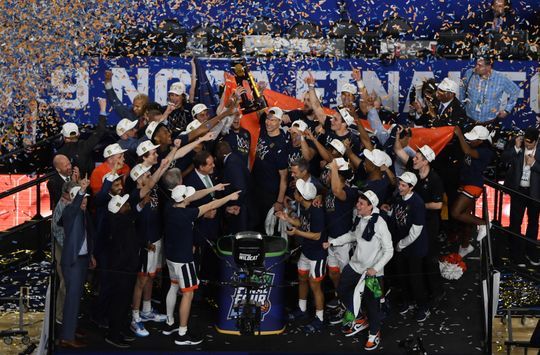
(526, 174)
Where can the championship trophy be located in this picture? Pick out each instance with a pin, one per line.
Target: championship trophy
(252, 100)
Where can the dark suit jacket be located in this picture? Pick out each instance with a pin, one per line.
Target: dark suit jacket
(54, 185)
(204, 227)
(515, 169)
(236, 173)
(453, 115)
(76, 222)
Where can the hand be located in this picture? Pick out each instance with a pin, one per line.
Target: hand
(529, 159)
(84, 183)
(234, 210)
(502, 115)
(356, 74)
(170, 108)
(102, 104)
(519, 142)
(285, 119)
(75, 174)
(333, 165)
(457, 131)
(151, 247)
(417, 106)
(310, 80)
(317, 202)
(383, 168)
(309, 135)
(371, 271)
(235, 195)
(385, 207)
(262, 85)
(93, 263)
(239, 91)
(291, 232)
(281, 215)
(145, 200)
(278, 206)
(208, 137)
(220, 187)
(108, 76)
(164, 163)
(326, 245)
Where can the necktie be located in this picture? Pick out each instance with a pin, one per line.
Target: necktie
(208, 183)
(441, 109)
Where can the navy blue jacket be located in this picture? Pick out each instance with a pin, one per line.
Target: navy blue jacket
(74, 220)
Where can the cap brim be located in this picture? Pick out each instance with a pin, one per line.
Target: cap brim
(471, 136)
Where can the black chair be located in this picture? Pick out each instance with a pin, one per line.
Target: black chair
(454, 45)
(263, 26)
(395, 27)
(170, 39)
(305, 30)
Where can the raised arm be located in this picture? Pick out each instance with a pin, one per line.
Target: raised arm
(398, 148)
(191, 97)
(145, 190)
(467, 149)
(323, 152)
(314, 101)
(218, 203)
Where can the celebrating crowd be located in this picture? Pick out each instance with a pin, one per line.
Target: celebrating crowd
(359, 199)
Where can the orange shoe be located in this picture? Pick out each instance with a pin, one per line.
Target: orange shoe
(373, 341)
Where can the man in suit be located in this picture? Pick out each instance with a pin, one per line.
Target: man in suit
(236, 174)
(76, 259)
(523, 175)
(64, 172)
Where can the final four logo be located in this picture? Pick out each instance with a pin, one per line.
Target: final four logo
(259, 296)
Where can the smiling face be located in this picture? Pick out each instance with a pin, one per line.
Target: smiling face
(419, 161)
(404, 188)
(363, 207)
(272, 123)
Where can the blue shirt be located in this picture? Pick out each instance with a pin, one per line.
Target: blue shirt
(148, 219)
(405, 214)
(312, 220)
(270, 157)
(179, 233)
(483, 97)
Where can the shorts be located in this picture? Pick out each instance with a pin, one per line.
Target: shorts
(152, 260)
(338, 257)
(315, 268)
(470, 191)
(184, 275)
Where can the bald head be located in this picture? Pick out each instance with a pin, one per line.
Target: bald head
(62, 165)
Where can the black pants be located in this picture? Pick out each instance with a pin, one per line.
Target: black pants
(518, 204)
(412, 279)
(262, 202)
(431, 261)
(347, 283)
(122, 284)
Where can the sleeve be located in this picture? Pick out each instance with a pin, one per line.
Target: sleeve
(418, 219)
(437, 191)
(386, 245)
(317, 221)
(414, 233)
(348, 237)
(513, 91)
(121, 110)
(510, 152)
(102, 197)
(376, 125)
(93, 140)
(465, 83)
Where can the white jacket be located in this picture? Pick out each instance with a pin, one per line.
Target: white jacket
(373, 254)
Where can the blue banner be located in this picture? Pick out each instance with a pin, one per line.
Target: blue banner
(79, 88)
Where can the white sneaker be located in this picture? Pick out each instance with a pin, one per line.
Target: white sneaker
(153, 316)
(482, 232)
(465, 251)
(139, 329)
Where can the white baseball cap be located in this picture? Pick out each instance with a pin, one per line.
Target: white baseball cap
(347, 117)
(177, 88)
(338, 145)
(193, 125)
(145, 147)
(306, 189)
(427, 152)
(70, 129)
(181, 192)
(300, 125)
(448, 85)
(125, 125)
(111, 177)
(348, 87)
(138, 171)
(371, 196)
(74, 191)
(152, 128)
(342, 164)
(409, 178)
(198, 109)
(386, 158)
(376, 156)
(276, 111)
(117, 202)
(113, 149)
(478, 132)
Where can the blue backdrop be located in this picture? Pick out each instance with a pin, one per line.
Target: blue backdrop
(79, 89)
